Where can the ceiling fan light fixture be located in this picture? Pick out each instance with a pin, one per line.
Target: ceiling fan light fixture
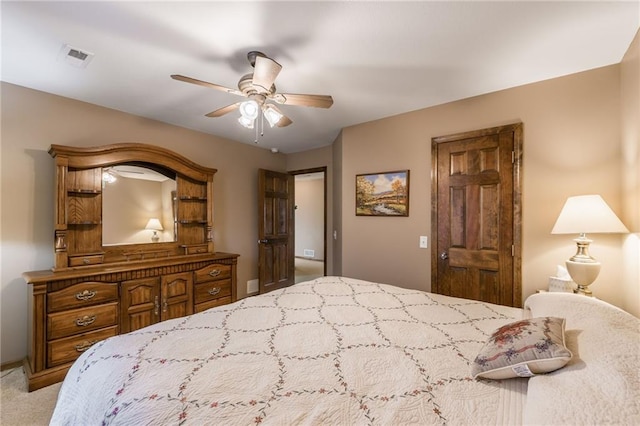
(249, 109)
(246, 122)
(272, 115)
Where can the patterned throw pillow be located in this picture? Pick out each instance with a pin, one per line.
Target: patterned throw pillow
(522, 349)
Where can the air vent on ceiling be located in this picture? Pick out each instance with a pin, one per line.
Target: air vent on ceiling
(76, 57)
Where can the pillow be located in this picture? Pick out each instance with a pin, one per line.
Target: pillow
(523, 349)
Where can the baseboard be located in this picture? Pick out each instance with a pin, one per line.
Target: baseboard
(309, 258)
(10, 365)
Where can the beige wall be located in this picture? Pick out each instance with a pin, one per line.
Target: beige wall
(572, 145)
(32, 120)
(630, 94)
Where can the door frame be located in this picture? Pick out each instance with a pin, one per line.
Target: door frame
(323, 170)
(516, 159)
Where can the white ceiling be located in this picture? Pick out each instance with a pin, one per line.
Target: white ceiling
(376, 59)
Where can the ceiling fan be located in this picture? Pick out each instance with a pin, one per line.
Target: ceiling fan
(259, 87)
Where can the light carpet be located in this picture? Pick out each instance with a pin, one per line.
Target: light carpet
(21, 408)
(308, 269)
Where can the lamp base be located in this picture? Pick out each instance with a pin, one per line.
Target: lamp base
(155, 238)
(583, 274)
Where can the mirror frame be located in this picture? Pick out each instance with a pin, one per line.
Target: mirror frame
(69, 236)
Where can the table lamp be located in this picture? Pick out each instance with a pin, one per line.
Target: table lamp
(155, 225)
(584, 214)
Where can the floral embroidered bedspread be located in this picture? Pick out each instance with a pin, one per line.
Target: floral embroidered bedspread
(328, 351)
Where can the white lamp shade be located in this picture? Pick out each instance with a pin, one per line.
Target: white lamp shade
(154, 224)
(587, 214)
(246, 122)
(272, 115)
(249, 109)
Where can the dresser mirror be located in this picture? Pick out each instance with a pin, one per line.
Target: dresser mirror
(138, 205)
(129, 202)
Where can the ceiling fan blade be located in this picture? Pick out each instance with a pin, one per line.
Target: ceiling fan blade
(318, 101)
(284, 121)
(265, 72)
(205, 84)
(224, 110)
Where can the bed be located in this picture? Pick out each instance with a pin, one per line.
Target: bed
(343, 351)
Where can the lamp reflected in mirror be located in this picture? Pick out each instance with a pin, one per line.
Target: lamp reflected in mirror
(154, 225)
(581, 215)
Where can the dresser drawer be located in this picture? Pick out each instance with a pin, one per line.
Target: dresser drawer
(213, 272)
(68, 323)
(196, 249)
(92, 259)
(212, 290)
(212, 304)
(66, 350)
(82, 294)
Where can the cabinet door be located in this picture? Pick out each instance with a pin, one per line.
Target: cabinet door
(140, 303)
(177, 295)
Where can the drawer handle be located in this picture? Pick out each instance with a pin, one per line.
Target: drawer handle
(86, 295)
(85, 320)
(215, 272)
(85, 345)
(214, 291)
(86, 261)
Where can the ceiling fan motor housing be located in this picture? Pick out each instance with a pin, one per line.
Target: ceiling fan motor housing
(252, 55)
(246, 86)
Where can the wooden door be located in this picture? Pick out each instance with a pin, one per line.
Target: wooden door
(275, 230)
(476, 215)
(177, 295)
(140, 303)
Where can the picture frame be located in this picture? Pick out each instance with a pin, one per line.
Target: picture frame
(382, 194)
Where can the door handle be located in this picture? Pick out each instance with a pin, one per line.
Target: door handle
(444, 255)
(263, 241)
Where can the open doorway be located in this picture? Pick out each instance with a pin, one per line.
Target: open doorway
(310, 223)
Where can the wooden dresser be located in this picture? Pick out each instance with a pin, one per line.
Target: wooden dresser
(73, 309)
(97, 290)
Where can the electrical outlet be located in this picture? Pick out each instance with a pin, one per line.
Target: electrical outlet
(424, 242)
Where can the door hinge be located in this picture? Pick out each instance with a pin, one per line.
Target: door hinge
(513, 157)
(513, 250)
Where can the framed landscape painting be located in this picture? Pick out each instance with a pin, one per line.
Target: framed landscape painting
(382, 194)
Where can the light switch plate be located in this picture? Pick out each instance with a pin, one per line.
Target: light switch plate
(424, 241)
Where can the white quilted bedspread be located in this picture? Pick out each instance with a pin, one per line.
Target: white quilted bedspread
(329, 351)
(601, 384)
